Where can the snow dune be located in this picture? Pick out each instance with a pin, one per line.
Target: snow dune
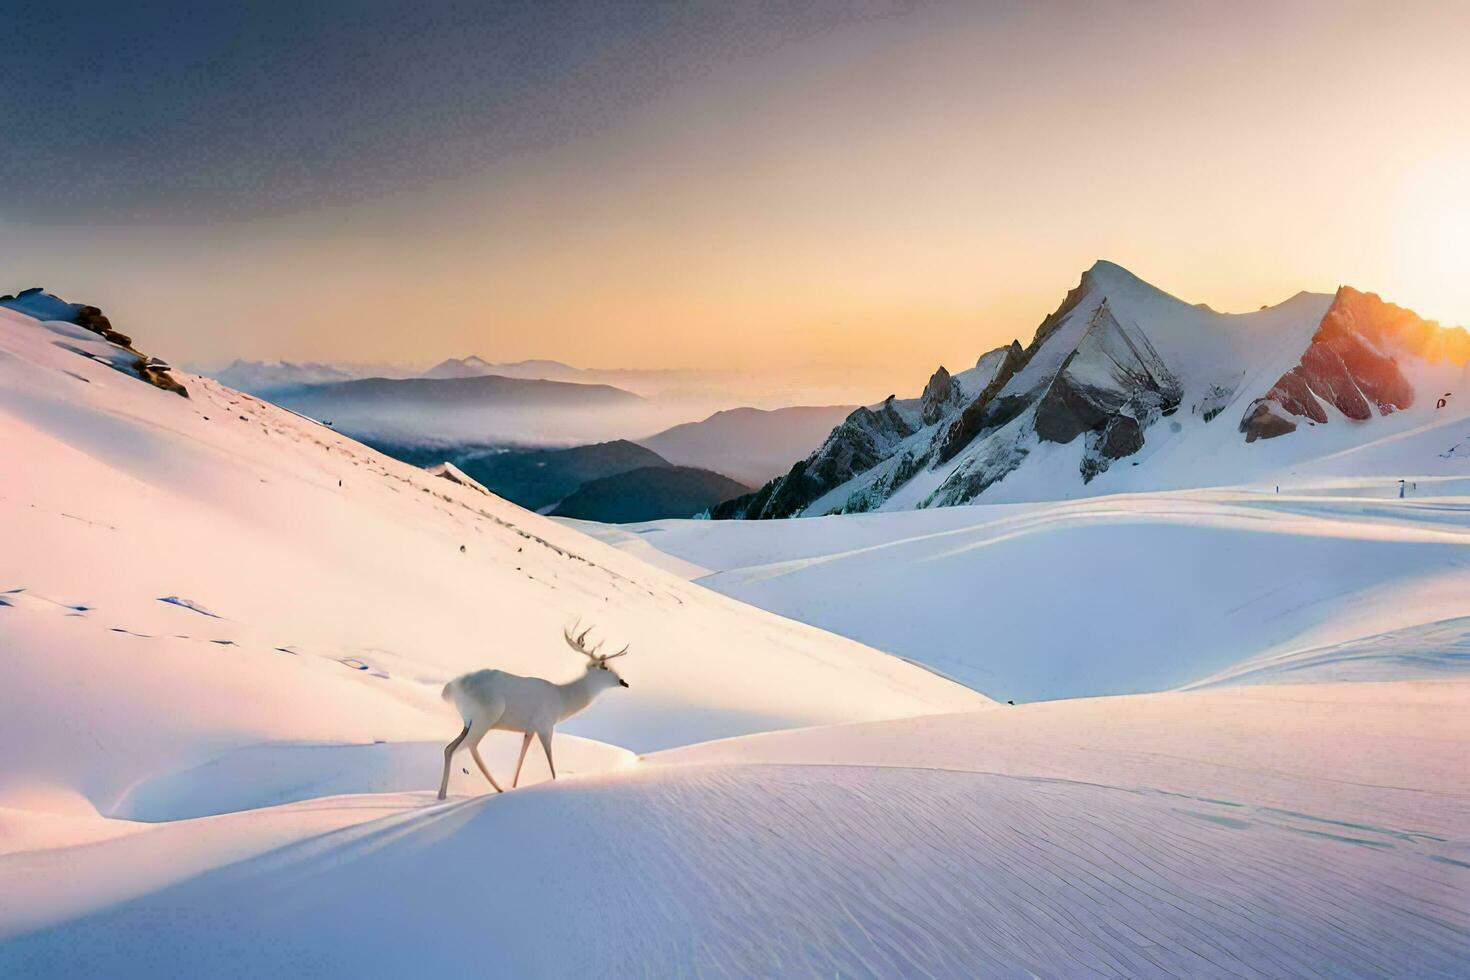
(1307, 830)
(1167, 589)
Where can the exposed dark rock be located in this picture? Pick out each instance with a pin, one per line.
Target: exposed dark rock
(37, 303)
(864, 439)
(939, 393)
(967, 483)
(1261, 421)
(1111, 387)
(1122, 436)
(156, 376)
(1350, 364)
(1054, 320)
(983, 412)
(1067, 410)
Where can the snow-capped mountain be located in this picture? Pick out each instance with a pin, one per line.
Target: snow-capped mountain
(475, 366)
(266, 378)
(1123, 372)
(1353, 364)
(224, 629)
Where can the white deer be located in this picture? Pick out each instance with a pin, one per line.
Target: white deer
(493, 699)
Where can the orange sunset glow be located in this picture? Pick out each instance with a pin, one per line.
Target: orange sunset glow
(938, 175)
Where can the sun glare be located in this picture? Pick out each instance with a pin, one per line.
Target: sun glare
(1433, 244)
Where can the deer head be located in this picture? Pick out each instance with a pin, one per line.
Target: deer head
(597, 662)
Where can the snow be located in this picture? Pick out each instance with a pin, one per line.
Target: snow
(1121, 326)
(1167, 588)
(250, 577)
(1269, 832)
(224, 630)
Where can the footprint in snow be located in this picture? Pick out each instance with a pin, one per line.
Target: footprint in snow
(174, 600)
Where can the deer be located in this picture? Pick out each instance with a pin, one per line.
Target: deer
(493, 699)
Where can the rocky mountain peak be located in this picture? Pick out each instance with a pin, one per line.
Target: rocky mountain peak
(1352, 364)
(939, 394)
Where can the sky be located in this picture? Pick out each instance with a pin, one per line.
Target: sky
(857, 191)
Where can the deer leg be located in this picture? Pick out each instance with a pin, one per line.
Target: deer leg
(475, 739)
(525, 744)
(475, 751)
(448, 756)
(546, 744)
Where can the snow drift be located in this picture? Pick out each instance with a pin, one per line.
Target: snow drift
(186, 578)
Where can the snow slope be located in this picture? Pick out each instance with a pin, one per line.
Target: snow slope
(1119, 594)
(182, 580)
(1299, 831)
(223, 629)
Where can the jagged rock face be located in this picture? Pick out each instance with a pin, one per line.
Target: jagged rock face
(980, 413)
(862, 441)
(939, 394)
(1113, 386)
(1351, 364)
(1085, 373)
(1093, 371)
(1263, 420)
(1120, 436)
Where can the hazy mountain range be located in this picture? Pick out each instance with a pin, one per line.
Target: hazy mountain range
(751, 445)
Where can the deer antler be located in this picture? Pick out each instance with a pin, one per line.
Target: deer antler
(578, 641)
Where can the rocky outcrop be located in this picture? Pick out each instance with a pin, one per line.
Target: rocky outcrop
(1264, 420)
(1094, 371)
(1120, 436)
(866, 438)
(38, 303)
(939, 394)
(1353, 364)
(1084, 373)
(1111, 387)
(981, 413)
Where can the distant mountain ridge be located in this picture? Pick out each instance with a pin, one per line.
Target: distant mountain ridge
(613, 482)
(1122, 374)
(265, 378)
(750, 445)
(539, 478)
(268, 377)
(481, 408)
(474, 366)
(648, 494)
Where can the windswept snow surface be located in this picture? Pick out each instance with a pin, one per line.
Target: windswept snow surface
(183, 579)
(224, 628)
(1301, 831)
(1120, 594)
